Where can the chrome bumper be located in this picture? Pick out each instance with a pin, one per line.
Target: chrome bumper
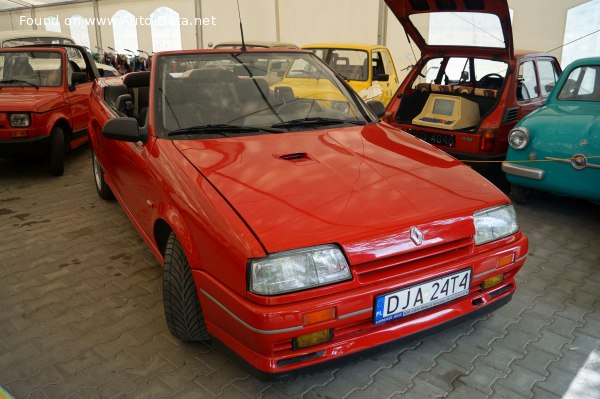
(523, 171)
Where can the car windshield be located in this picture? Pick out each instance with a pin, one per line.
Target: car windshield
(582, 84)
(350, 64)
(470, 29)
(250, 92)
(30, 68)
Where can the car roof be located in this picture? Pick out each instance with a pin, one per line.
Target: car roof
(25, 34)
(584, 61)
(347, 46)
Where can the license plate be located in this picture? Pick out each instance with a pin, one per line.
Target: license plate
(434, 138)
(422, 296)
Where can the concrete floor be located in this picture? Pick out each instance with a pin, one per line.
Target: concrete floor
(81, 312)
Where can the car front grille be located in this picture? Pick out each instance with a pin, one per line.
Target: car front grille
(417, 260)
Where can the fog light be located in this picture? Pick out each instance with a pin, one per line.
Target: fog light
(312, 339)
(492, 281)
(318, 316)
(505, 260)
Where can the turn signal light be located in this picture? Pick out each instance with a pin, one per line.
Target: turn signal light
(505, 260)
(17, 134)
(312, 339)
(492, 281)
(318, 316)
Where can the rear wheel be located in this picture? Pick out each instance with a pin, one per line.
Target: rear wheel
(103, 190)
(182, 306)
(520, 194)
(56, 155)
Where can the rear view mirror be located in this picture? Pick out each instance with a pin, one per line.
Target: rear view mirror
(123, 129)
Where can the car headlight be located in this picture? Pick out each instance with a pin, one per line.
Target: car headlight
(20, 120)
(495, 223)
(519, 138)
(298, 270)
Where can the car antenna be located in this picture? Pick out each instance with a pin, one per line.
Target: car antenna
(243, 48)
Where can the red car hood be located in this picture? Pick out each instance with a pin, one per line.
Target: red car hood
(362, 187)
(29, 99)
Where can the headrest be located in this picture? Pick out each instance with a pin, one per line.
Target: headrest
(137, 79)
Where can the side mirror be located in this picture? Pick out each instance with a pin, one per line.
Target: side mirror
(101, 72)
(377, 107)
(77, 78)
(464, 76)
(123, 129)
(382, 77)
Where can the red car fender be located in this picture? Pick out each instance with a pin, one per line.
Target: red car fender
(57, 118)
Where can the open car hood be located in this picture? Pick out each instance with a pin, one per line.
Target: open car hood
(362, 187)
(492, 36)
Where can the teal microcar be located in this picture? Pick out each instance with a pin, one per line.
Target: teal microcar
(557, 147)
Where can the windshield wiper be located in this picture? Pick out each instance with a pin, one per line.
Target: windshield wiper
(316, 122)
(19, 81)
(220, 129)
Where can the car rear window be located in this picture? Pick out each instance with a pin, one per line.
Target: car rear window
(460, 29)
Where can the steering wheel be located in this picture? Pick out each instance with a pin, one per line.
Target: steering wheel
(491, 81)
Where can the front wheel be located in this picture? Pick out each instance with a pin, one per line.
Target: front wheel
(182, 306)
(56, 155)
(103, 190)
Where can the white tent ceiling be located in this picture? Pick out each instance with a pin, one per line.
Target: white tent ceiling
(6, 5)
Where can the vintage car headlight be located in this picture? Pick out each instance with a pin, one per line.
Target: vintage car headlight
(297, 270)
(20, 120)
(495, 223)
(519, 138)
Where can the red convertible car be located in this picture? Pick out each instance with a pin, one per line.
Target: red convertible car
(292, 225)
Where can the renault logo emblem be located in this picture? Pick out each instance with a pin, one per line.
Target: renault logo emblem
(416, 236)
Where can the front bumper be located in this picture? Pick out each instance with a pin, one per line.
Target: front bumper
(523, 171)
(24, 147)
(262, 335)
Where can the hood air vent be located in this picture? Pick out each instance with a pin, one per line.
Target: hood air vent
(296, 157)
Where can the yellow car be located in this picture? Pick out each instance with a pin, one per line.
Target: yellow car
(369, 69)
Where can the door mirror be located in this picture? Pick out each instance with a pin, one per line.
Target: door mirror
(464, 76)
(123, 129)
(77, 78)
(382, 77)
(377, 107)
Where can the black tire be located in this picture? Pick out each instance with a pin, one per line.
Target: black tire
(520, 194)
(56, 153)
(101, 187)
(182, 306)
